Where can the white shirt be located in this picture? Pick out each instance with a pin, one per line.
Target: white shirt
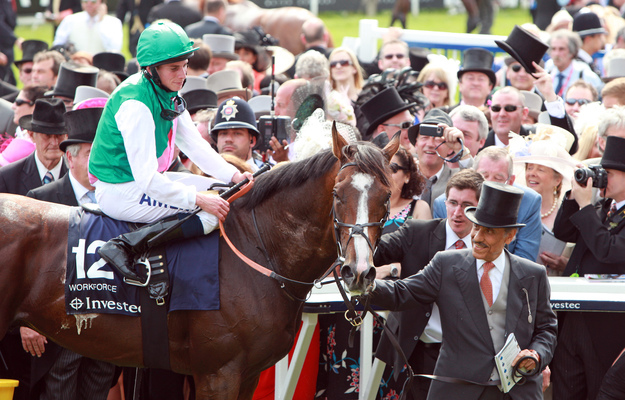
(90, 34)
(79, 190)
(56, 170)
(452, 238)
(495, 274)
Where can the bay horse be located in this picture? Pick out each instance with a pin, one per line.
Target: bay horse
(224, 350)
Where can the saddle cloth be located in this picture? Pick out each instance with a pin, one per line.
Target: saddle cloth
(91, 286)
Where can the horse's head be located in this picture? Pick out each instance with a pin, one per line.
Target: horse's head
(361, 204)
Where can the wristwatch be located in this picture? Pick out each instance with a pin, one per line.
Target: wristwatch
(394, 272)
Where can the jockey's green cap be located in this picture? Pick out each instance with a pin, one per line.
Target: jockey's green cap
(163, 43)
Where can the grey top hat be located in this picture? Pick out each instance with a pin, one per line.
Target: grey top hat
(533, 102)
(615, 69)
(227, 84)
(221, 45)
(498, 206)
(88, 92)
(193, 83)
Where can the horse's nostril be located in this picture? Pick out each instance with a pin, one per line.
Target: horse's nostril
(369, 276)
(347, 274)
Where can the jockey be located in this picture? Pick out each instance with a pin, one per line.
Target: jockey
(134, 145)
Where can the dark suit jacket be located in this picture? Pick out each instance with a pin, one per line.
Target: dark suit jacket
(21, 176)
(413, 245)
(199, 29)
(467, 352)
(176, 12)
(59, 191)
(564, 123)
(598, 250)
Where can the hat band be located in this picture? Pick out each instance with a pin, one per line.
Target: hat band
(593, 31)
(494, 220)
(48, 124)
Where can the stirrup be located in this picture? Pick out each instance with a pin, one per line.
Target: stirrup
(148, 267)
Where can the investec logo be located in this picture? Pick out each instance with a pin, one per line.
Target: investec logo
(94, 305)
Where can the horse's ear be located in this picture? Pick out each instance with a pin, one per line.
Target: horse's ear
(391, 148)
(338, 142)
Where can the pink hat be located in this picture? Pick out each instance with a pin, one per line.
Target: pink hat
(16, 150)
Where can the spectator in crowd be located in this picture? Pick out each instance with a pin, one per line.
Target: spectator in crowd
(175, 11)
(476, 78)
(346, 80)
(587, 343)
(199, 63)
(138, 19)
(473, 124)
(283, 103)
(517, 76)
(24, 104)
(496, 165)
(593, 36)
(25, 65)
(314, 36)
(46, 65)
(222, 48)
(59, 372)
(393, 54)
(413, 246)
(470, 288)
(235, 131)
(534, 103)
(250, 46)
(435, 86)
(311, 65)
(565, 69)
(91, 30)
(613, 94)
(8, 22)
(71, 76)
(214, 17)
(107, 81)
(387, 113)
(577, 95)
(245, 72)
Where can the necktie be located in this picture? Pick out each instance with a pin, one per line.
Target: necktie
(47, 178)
(91, 195)
(427, 193)
(485, 284)
(459, 244)
(560, 77)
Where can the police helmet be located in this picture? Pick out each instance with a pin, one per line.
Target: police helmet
(235, 113)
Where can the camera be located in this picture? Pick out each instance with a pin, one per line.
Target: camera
(430, 130)
(596, 172)
(269, 126)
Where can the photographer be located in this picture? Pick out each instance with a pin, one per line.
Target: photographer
(587, 343)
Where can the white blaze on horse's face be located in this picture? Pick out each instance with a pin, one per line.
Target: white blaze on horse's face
(362, 183)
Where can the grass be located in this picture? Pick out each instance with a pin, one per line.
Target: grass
(342, 24)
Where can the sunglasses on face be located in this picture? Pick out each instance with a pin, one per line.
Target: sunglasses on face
(398, 56)
(432, 84)
(20, 102)
(403, 125)
(571, 101)
(26, 70)
(508, 108)
(396, 167)
(516, 67)
(342, 63)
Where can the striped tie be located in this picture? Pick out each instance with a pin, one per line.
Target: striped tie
(485, 284)
(47, 178)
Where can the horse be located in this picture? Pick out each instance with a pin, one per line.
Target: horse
(283, 23)
(294, 212)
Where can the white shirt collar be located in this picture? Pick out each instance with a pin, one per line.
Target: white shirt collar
(452, 238)
(79, 190)
(56, 170)
(500, 262)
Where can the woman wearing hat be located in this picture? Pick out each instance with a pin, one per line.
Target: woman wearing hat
(134, 145)
(548, 167)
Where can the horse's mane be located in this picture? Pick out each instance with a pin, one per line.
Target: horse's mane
(367, 157)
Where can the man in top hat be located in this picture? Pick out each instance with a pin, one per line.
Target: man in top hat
(588, 343)
(58, 372)
(71, 76)
(476, 78)
(593, 35)
(47, 129)
(235, 131)
(212, 23)
(387, 113)
(91, 30)
(413, 245)
(428, 143)
(175, 11)
(483, 294)
(111, 62)
(222, 47)
(563, 67)
(25, 65)
(143, 120)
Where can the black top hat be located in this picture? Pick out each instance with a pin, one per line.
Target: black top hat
(29, 49)
(112, 62)
(478, 60)
(613, 154)
(587, 24)
(72, 75)
(235, 113)
(47, 117)
(498, 206)
(200, 99)
(81, 126)
(383, 106)
(524, 47)
(434, 117)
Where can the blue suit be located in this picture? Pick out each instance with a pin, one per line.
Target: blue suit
(527, 240)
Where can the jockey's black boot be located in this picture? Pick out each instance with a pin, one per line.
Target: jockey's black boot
(123, 251)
